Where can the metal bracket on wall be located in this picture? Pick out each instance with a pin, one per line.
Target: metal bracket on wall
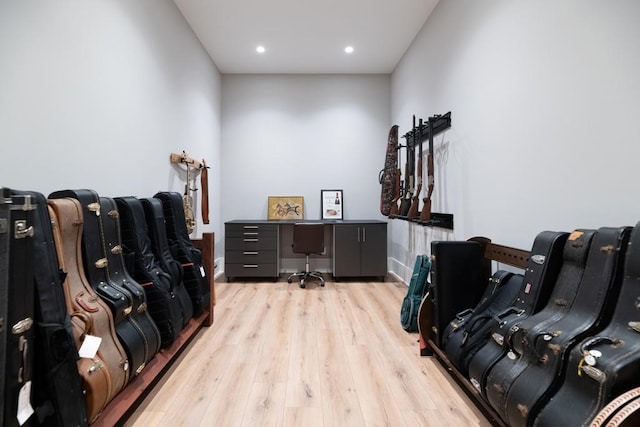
(441, 123)
(442, 220)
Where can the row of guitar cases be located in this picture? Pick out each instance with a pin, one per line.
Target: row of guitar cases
(550, 344)
(91, 288)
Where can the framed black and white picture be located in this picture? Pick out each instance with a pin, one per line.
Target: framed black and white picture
(331, 203)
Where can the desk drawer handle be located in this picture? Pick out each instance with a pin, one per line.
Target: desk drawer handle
(250, 253)
(252, 227)
(250, 240)
(250, 265)
(254, 233)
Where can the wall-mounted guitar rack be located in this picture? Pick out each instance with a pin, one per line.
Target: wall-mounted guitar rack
(415, 137)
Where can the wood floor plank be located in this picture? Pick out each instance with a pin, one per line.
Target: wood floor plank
(265, 405)
(228, 404)
(303, 378)
(278, 355)
(340, 404)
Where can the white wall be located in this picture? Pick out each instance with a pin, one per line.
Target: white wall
(544, 100)
(97, 94)
(285, 135)
(294, 135)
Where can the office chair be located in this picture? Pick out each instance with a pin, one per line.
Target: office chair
(308, 238)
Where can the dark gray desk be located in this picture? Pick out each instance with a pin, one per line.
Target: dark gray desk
(262, 248)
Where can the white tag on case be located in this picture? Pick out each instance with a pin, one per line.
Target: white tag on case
(89, 346)
(25, 410)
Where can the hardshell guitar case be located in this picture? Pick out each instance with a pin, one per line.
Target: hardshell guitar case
(4, 290)
(118, 274)
(606, 364)
(106, 373)
(459, 274)
(511, 364)
(17, 325)
(540, 275)
(157, 230)
(548, 345)
(469, 330)
(164, 305)
(195, 276)
(539, 344)
(104, 268)
(57, 392)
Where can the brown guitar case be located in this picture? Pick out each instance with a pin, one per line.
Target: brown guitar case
(105, 271)
(106, 374)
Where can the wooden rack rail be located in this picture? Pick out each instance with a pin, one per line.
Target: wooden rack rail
(623, 411)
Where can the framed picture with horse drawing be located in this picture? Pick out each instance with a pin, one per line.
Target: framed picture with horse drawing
(285, 207)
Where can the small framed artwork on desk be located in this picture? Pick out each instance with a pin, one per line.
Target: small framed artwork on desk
(331, 203)
(285, 207)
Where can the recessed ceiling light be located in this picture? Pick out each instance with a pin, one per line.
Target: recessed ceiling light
(348, 49)
(260, 49)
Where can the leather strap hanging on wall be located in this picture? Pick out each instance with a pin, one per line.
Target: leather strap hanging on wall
(204, 183)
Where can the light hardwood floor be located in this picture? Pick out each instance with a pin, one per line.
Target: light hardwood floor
(278, 355)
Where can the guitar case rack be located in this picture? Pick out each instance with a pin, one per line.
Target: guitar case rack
(622, 411)
(127, 400)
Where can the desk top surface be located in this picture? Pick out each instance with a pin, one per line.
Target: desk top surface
(294, 221)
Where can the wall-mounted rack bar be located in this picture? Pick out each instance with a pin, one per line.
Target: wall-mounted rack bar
(440, 124)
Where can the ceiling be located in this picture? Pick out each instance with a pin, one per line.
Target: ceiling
(305, 36)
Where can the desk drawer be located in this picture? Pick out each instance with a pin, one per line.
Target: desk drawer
(251, 230)
(251, 243)
(251, 270)
(251, 257)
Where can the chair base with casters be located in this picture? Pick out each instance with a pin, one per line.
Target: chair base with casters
(308, 238)
(306, 274)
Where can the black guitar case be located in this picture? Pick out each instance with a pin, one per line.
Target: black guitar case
(104, 268)
(4, 289)
(163, 304)
(459, 275)
(17, 327)
(57, 390)
(539, 279)
(510, 366)
(470, 329)
(547, 346)
(195, 277)
(119, 275)
(157, 230)
(538, 345)
(604, 365)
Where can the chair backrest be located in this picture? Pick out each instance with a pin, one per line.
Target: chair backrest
(308, 238)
